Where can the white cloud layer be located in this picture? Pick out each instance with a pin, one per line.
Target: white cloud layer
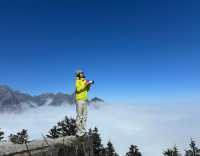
(153, 127)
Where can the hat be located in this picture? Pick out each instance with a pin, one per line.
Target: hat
(78, 72)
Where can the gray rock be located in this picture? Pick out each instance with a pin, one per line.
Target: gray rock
(67, 146)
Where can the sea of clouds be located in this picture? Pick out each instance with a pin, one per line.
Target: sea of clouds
(153, 127)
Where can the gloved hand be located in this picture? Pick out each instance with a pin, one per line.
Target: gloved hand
(90, 82)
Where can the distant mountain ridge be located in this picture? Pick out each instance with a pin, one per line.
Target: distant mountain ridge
(16, 101)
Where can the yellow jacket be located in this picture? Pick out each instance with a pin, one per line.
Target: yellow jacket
(82, 89)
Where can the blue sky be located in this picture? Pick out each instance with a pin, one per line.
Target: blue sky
(134, 50)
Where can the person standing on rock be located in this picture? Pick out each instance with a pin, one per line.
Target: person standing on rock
(81, 97)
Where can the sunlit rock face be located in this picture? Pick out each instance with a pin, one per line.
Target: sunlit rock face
(65, 146)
